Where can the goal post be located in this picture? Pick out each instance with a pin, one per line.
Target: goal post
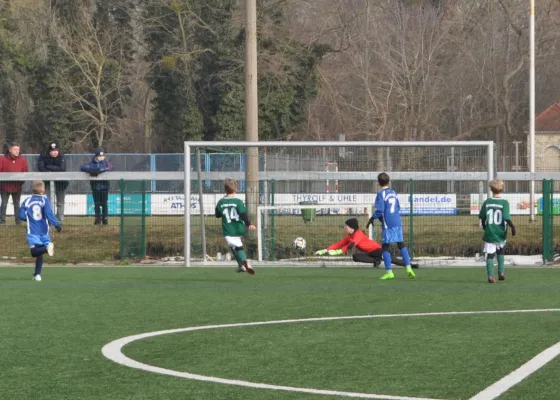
(300, 168)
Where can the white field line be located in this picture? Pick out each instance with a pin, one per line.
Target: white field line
(512, 379)
(113, 351)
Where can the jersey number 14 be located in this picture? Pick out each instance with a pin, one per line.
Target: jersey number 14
(231, 214)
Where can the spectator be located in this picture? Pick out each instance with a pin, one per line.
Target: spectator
(52, 160)
(100, 189)
(12, 161)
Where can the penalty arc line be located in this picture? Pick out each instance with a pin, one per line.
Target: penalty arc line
(512, 379)
(113, 351)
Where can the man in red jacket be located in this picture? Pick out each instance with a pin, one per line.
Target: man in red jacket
(11, 162)
(369, 250)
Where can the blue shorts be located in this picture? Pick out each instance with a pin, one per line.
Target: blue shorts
(40, 240)
(392, 235)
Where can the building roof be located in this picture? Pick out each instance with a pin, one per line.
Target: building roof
(549, 119)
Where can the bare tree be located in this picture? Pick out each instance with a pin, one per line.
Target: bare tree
(96, 77)
(448, 70)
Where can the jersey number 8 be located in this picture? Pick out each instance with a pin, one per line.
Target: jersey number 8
(36, 212)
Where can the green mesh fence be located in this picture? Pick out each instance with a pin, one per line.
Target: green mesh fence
(549, 208)
(132, 207)
(441, 221)
(158, 230)
(148, 224)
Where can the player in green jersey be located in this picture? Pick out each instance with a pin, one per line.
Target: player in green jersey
(495, 219)
(235, 221)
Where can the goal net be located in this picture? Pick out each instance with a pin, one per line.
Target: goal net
(308, 190)
(319, 225)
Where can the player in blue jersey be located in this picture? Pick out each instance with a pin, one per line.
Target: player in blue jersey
(37, 211)
(387, 210)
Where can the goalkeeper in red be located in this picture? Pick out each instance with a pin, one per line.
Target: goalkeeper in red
(495, 219)
(235, 222)
(369, 250)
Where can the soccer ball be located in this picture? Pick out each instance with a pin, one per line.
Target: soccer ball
(299, 243)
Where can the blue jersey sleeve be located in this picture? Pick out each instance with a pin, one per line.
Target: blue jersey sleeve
(22, 213)
(379, 205)
(47, 211)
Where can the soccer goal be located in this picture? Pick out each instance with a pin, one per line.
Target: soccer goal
(290, 193)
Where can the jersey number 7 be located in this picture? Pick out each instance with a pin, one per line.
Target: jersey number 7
(392, 201)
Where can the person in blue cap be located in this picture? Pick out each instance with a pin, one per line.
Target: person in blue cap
(100, 189)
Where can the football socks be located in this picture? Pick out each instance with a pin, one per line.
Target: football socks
(387, 260)
(38, 265)
(405, 256)
(501, 263)
(490, 266)
(240, 256)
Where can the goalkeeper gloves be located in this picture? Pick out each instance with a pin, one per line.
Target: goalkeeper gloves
(370, 222)
(321, 252)
(335, 252)
(58, 228)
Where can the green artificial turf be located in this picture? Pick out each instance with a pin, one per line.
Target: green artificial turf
(53, 332)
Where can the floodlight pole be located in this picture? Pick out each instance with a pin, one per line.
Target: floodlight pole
(532, 110)
(251, 111)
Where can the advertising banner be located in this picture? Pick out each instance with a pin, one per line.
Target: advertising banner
(429, 204)
(519, 203)
(423, 204)
(354, 203)
(132, 204)
(174, 204)
(74, 204)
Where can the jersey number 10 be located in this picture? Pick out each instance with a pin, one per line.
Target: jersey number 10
(494, 217)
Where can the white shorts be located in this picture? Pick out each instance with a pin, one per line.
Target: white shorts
(491, 248)
(234, 241)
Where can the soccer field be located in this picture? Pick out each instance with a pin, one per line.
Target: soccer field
(428, 338)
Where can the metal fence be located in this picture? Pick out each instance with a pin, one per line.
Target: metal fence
(292, 172)
(509, 157)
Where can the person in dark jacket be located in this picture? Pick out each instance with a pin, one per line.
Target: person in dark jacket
(12, 161)
(52, 160)
(100, 189)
